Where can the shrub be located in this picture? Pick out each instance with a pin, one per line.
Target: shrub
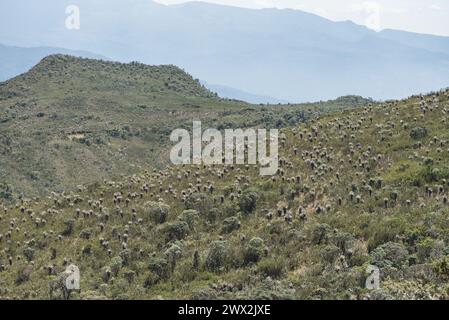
(190, 217)
(157, 211)
(69, 224)
(173, 254)
(441, 267)
(344, 241)
(425, 248)
(320, 233)
(253, 251)
(434, 175)
(196, 261)
(230, 224)
(86, 233)
(213, 214)
(248, 201)
(115, 265)
(217, 256)
(204, 294)
(159, 267)
(177, 230)
(385, 230)
(126, 256)
(28, 253)
(24, 274)
(229, 210)
(418, 133)
(129, 275)
(390, 257)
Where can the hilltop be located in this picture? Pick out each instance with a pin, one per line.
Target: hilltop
(355, 187)
(53, 69)
(71, 121)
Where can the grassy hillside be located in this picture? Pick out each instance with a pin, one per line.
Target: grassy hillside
(71, 121)
(357, 187)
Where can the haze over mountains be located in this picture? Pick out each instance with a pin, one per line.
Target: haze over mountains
(285, 54)
(229, 92)
(16, 60)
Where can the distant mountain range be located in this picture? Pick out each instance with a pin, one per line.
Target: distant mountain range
(285, 54)
(16, 60)
(233, 93)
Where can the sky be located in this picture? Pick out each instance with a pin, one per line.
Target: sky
(421, 16)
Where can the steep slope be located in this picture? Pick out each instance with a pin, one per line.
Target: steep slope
(16, 60)
(285, 54)
(70, 121)
(359, 187)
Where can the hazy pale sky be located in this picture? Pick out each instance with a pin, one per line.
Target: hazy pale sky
(422, 16)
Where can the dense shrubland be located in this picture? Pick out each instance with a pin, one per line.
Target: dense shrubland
(358, 187)
(71, 121)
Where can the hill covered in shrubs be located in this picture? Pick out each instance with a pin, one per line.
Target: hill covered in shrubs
(72, 121)
(366, 186)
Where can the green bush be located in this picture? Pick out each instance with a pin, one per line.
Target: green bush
(390, 258)
(441, 267)
(159, 267)
(213, 214)
(418, 133)
(69, 225)
(86, 234)
(253, 251)
(248, 201)
(191, 217)
(230, 224)
(157, 211)
(217, 256)
(177, 230)
(28, 253)
(320, 233)
(424, 249)
(116, 265)
(173, 254)
(24, 274)
(126, 256)
(386, 230)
